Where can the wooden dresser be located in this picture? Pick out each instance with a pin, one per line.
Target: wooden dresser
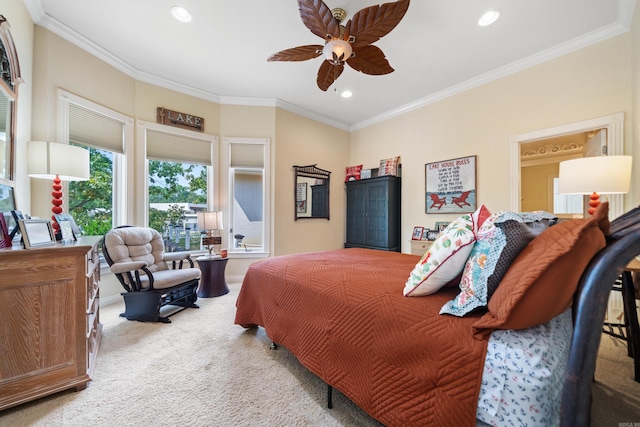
(49, 319)
(420, 247)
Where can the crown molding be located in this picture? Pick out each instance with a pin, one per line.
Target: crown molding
(622, 25)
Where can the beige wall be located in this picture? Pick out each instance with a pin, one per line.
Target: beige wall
(592, 82)
(537, 187)
(305, 142)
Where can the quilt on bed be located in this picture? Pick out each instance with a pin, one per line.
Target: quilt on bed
(343, 315)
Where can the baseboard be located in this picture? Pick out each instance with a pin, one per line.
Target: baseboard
(113, 299)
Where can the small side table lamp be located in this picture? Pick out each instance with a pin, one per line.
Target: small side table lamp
(59, 162)
(211, 223)
(594, 176)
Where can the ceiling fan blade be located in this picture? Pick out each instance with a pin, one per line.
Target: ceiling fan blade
(300, 53)
(370, 24)
(327, 74)
(370, 60)
(318, 18)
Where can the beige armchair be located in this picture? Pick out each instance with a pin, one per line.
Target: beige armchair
(151, 277)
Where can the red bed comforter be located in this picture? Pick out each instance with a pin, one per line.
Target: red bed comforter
(343, 315)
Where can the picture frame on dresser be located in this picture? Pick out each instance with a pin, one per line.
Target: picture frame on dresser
(5, 239)
(417, 233)
(65, 217)
(37, 233)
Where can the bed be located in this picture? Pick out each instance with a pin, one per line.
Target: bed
(343, 315)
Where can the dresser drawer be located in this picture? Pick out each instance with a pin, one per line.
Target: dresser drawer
(420, 247)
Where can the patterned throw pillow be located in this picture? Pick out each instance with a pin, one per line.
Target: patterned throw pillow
(389, 166)
(500, 239)
(353, 173)
(447, 256)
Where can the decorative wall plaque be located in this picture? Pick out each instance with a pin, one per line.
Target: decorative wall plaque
(181, 120)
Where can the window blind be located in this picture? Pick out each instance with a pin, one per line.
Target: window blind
(93, 129)
(175, 148)
(247, 155)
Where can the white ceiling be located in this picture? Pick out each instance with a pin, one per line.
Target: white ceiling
(437, 49)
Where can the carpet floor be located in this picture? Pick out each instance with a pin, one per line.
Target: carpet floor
(202, 370)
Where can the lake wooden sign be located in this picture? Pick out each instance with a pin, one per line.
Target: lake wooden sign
(180, 120)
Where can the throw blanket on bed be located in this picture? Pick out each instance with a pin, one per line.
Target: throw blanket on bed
(343, 315)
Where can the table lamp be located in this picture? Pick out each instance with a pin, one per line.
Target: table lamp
(594, 176)
(211, 223)
(59, 162)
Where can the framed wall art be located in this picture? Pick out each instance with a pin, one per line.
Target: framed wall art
(450, 186)
(36, 233)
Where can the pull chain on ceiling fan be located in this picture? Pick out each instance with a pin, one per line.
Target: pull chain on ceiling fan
(351, 44)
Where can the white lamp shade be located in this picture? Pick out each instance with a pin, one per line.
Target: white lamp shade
(341, 48)
(48, 159)
(210, 220)
(600, 174)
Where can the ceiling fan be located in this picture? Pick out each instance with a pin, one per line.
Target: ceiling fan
(351, 44)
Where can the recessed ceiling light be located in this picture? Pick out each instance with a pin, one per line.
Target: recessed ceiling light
(488, 18)
(181, 14)
(347, 94)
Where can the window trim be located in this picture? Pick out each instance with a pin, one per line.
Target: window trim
(226, 193)
(122, 163)
(143, 165)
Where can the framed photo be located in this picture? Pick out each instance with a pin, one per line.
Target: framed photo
(74, 227)
(417, 233)
(441, 225)
(432, 234)
(8, 204)
(36, 233)
(301, 206)
(5, 239)
(66, 233)
(425, 233)
(450, 186)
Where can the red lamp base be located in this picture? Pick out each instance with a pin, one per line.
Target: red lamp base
(594, 202)
(57, 203)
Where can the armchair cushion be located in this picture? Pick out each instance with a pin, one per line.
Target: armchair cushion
(136, 256)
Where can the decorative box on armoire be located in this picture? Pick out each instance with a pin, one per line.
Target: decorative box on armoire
(373, 213)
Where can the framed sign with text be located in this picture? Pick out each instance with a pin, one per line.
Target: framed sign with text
(451, 186)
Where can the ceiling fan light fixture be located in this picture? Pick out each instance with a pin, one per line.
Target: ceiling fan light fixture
(488, 18)
(181, 14)
(337, 51)
(346, 94)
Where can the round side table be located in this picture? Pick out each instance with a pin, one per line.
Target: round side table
(212, 281)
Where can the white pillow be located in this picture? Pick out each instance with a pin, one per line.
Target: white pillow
(447, 256)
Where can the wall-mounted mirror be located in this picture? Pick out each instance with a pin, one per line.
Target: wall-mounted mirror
(10, 78)
(311, 192)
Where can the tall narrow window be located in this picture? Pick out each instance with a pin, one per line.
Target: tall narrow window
(99, 204)
(248, 194)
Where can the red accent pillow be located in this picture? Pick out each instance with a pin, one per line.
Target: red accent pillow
(353, 173)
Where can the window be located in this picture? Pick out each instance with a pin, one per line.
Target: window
(91, 202)
(99, 204)
(179, 182)
(247, 186)
(176, 192)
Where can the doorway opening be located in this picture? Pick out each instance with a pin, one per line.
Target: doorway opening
(543, 140)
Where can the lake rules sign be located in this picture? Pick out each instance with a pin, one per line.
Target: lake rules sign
(451, 186)
(181, 120)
